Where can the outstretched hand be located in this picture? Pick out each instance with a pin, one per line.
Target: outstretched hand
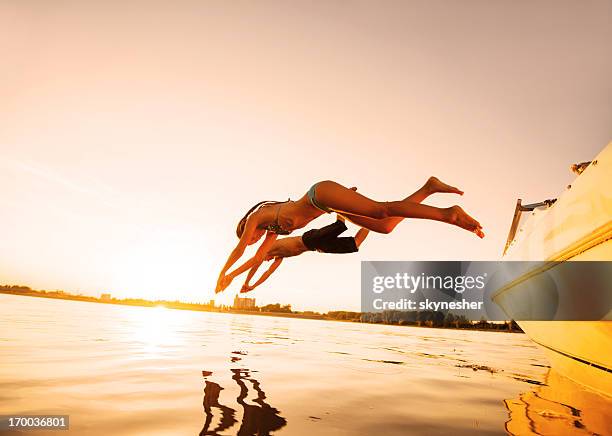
(223, 283)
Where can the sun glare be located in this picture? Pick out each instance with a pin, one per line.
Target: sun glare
(165, 267)
(155, 329)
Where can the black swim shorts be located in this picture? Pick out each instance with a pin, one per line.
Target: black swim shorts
(326, 240)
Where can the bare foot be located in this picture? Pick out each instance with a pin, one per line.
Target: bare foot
(460, 218)
(436, 185)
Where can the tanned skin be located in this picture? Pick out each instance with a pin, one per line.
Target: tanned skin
(356, 207)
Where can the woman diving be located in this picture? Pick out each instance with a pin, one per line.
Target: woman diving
(281, 218)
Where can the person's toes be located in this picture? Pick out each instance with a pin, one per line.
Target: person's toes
(440, 186)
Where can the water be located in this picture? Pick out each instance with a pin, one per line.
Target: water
(130, 370)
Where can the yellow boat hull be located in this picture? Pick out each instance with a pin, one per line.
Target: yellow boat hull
(580, 350)
(578, 227)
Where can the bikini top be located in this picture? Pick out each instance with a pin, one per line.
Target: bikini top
(276, 227)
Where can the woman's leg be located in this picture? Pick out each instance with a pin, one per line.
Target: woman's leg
(360, 236)
(386, 225)
(345, 201)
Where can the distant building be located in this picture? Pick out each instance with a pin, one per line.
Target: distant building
(244, 303)
(105, 297)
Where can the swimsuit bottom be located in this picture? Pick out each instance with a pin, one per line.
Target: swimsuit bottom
(326, 240)
(313, 199)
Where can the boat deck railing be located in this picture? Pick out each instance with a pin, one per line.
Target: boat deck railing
(518, 210)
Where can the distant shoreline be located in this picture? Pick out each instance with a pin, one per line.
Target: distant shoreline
(198, 307)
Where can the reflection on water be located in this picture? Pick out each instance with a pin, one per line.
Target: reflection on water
(211, 401)
(150, 329)
(152, 371)
(257, 419)
(559, 406)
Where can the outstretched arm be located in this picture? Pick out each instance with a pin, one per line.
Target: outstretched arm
(251, 225)
(249, 264)
(250, 276)
(246, 287)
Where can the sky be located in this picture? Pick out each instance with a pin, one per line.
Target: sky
(135, 134)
